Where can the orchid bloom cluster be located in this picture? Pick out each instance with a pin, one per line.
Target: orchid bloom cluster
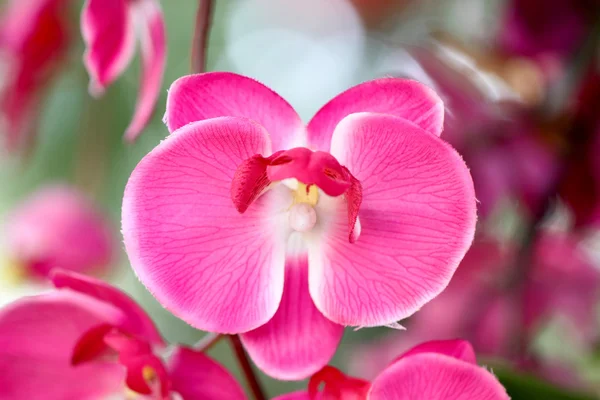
(246, 222)
(88, 340)
(95, 342)
(278, 235)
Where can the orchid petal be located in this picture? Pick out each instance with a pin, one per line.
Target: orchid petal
(215, 268)
(137, 322)
(417, 221)
(459, 349)
(196, 377)
(403, 98)
(37, 337)
(221, 94)
(436, 377)
(298, 341)
(109, 37)
(154, 54)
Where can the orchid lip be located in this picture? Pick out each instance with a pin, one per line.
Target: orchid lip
(309, 171)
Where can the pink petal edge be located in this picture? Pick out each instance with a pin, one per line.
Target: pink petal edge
(137, 322)
(154, 54)
(298, 341)
(197, 377)
(436, 377)
(457, 348)
(403, 98)
(225, 94)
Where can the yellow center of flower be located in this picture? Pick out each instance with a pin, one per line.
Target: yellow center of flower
(149, 373)
(304, 194)
(12, 273)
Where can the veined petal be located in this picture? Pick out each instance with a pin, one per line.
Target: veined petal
(222, 94)
(154, 54)
(459, 349)
(37, 337)
(196, 377)
(436, 377)
(298, 341)
(215, 268)
(109, 37)
(403, 98)
(137, 322)
(417, 221)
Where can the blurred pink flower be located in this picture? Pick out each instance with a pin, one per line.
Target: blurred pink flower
(479, 306)
(441, 370)
(109, 28)
(88, 340)
(515, 165)
(534, 28)
(363, 231)
(59, 227)
(33, 38)
(563, 281)
(492, 129)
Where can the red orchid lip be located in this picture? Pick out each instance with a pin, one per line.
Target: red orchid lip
(317, 168)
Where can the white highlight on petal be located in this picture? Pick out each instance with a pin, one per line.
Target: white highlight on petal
(302, 217)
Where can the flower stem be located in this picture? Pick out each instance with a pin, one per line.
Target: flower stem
(251, 377)
(208, 341)
(201, 33)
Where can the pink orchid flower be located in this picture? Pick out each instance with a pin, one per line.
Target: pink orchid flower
(33, 38)
(58, 227)
(109, 28)
(247, 221)
(439, 370)
(88, 340)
